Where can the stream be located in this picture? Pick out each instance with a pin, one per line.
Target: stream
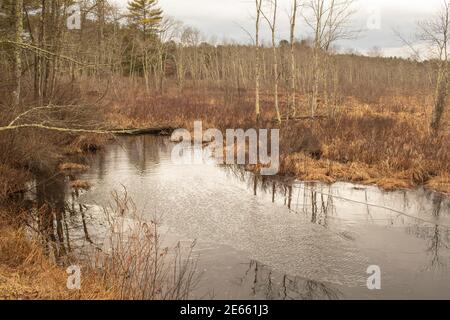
(270, 238)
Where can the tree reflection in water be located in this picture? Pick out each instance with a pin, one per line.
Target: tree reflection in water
(317, 202)
(437, 236)
(61, 225)
(265, 283)
(66, 225)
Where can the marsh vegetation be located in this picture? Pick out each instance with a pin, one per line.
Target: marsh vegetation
(72, 72)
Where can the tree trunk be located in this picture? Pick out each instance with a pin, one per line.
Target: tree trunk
(441, 98)
(293, 107)
(257, 62)
(316, 81)
(275, 61)
(17, 51)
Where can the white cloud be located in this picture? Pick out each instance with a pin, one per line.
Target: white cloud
(226, 18)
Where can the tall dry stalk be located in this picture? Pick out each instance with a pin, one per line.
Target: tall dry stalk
(135, 262)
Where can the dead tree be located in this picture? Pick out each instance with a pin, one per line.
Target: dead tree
(293, 108)
(436, 32)
(329, 20)
(167, 33)
(272, 25)
(18, 20)
(257, 61)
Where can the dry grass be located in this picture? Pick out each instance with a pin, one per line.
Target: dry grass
(132, 263)
(135, 262)
(367, 145)
(440, 183)
(87, 143)
(387, 143)
(80, 185)
(11, 180)
(27, 273)
(73, 167)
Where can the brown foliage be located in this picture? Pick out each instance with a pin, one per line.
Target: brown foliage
(387, 142)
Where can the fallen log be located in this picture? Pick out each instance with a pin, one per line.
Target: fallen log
(165, 131)
(301, 118)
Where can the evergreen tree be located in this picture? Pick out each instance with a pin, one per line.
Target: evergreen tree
(145, 15)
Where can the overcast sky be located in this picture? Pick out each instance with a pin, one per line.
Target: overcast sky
(226, 19)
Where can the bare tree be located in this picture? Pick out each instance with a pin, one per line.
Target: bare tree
(167, 33)
(18, 12)
(191, 37)
(329, 20)
(375, 52)
(435, 31)
(293, 18)
(272, 25)
(257, 61)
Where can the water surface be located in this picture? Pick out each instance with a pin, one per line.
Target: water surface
(274, 239)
